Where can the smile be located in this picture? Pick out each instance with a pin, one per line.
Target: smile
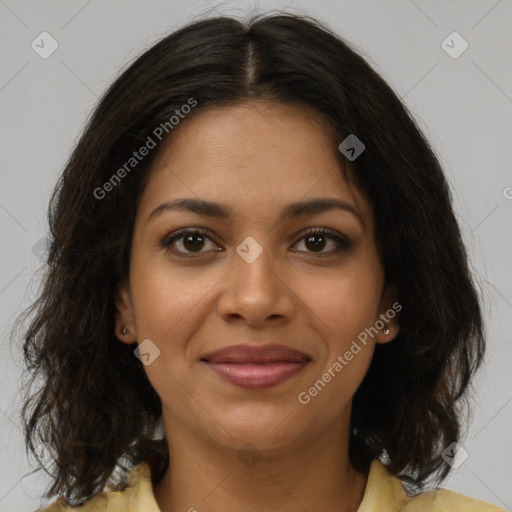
(256, 366)
(256, 375)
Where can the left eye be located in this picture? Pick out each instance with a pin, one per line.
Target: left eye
(315, 239)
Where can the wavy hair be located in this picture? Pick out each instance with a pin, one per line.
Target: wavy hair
(93, 405)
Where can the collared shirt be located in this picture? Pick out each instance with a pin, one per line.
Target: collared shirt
(384, 492)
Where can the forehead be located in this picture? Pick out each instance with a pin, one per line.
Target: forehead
(253, 156)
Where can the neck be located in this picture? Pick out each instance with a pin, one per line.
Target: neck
(206, 477)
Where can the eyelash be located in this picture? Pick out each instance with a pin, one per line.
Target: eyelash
(342, 243)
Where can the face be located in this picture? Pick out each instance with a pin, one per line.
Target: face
(266, 271)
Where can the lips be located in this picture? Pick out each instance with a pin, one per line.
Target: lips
(254, 367)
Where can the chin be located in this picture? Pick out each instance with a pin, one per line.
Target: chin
(265, 426)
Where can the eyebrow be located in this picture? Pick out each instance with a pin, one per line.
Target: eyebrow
(290, 211)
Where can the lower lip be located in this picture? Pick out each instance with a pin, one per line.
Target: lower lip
(256, 376)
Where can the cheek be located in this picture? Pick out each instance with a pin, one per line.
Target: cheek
(167, 309)
(344, 303)
(163, 297)
(343, 310)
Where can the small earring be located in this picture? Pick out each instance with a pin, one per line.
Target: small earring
(387, 330)
(124, 331)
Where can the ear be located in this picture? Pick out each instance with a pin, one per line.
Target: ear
(387, 318)
(124, 315)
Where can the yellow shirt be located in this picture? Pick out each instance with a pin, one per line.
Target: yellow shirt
(384, 493)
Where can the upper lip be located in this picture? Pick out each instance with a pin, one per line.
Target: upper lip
(270, 353)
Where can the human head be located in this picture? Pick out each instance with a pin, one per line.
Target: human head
(221, 62)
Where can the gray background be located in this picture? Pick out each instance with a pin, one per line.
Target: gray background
(463, 104)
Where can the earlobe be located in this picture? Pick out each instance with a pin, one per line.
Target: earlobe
(387, 322)
(124, 324)
(388, 333)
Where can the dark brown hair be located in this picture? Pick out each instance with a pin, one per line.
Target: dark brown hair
(94, 405)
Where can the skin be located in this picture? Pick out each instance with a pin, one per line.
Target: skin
(254, 158)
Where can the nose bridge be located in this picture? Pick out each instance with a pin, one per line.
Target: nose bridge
(254, 264)
(253, 289)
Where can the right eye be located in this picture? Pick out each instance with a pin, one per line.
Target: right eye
(188, 241)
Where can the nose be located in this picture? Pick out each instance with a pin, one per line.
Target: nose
(257, 292)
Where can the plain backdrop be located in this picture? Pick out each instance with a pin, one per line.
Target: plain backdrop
(463, 104)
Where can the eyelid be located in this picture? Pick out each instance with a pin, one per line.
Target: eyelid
(342, 241)
(324, 231)
(169, 239)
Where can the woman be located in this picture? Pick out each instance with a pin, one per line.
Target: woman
(257, 294)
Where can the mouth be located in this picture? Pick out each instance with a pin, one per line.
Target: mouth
(256, 368)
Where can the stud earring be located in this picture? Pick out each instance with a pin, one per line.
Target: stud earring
(124, 331)
(387, 330)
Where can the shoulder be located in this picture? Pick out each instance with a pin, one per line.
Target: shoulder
(444, 500)
(386, 493)
(138, 496)
(97, 504)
